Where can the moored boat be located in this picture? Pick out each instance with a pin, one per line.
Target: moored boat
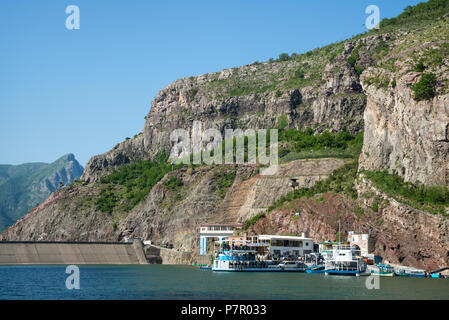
(435, 275)
(244, 258)
(383, 270)
(416, 273)
(345, 261)
(402, 272)
(316, 269)
(410, 272)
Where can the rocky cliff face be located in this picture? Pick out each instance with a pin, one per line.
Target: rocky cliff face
(328, 96)
(407, 118)
(403, 135)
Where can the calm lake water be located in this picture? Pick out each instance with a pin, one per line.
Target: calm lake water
(185, 282)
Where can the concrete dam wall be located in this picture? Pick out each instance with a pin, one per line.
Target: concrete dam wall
(30, 252)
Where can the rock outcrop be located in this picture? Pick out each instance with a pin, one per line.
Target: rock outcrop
(406, 136)
(334, 102)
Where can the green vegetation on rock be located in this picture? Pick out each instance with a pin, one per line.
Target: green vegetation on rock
(424, 89)
(354, 57)
(301, 144)
(224, 180)
(420, 14)
(253, 220)
(173, 183)
(128, 185)
(428, 198)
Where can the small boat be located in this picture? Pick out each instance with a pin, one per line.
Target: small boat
(383, 270)
(435, 275)
(316, 269)
(205, 268)
(416, 273)
(402, 272)
(408, 272)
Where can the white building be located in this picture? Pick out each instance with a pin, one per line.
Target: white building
(215, 231)
(287, 245)
(361, 240)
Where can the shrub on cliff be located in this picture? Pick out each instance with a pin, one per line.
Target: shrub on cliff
(107, 200)
(284, 57)
(253, 220)
(424, 89)
(173, 183)
(420, 66)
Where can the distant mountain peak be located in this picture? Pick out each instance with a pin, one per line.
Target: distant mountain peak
(24, 186)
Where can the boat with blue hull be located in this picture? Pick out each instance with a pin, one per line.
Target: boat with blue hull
(345, 261)
(316, 269)
(409, 272)
(417, 273)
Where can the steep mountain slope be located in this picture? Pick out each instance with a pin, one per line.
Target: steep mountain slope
(171, 212)
(25, 186)
(390, 83)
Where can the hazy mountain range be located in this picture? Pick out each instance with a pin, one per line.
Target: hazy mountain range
(24, 186)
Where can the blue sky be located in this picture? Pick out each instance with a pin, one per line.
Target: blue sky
(83, 91)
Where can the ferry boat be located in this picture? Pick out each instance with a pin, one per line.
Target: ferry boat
(383, 270)
(245, 259)
(345, 260)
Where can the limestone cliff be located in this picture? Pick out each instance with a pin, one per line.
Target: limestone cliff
(404, 135)
(312, 90)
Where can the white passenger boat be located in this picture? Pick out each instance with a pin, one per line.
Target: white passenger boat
(246, 259)
(345, 261)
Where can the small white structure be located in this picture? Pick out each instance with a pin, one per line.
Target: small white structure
(287, 245)
(360, 240)
(220, 231)
(128, 239)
